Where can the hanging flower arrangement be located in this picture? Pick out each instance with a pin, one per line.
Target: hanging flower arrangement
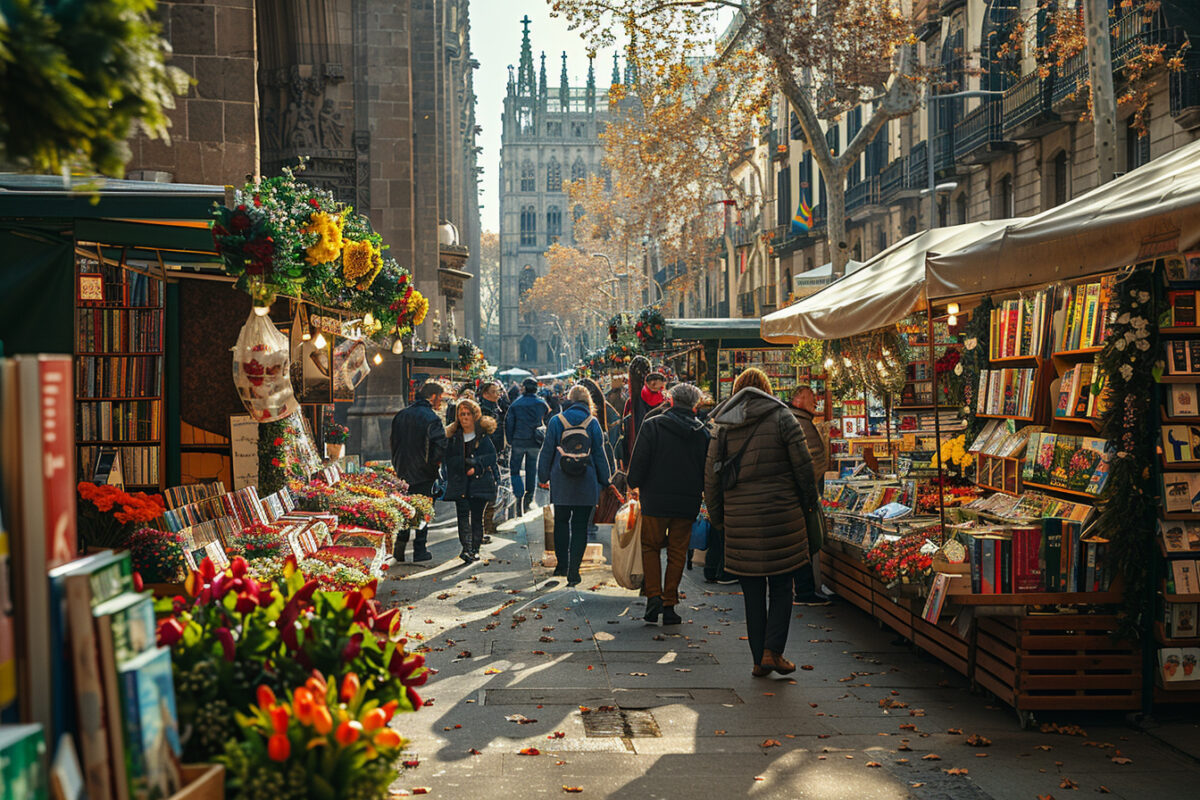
(649, 326)
(611, 357)
(808, 353)
(328, 243)
(873, 362)
(466, 354)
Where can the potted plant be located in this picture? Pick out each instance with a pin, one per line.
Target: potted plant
(107, 515)
(336, 436)
(158, 558)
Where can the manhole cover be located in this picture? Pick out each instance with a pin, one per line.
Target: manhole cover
(625, 723)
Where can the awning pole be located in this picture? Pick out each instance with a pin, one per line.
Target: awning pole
(937, 420)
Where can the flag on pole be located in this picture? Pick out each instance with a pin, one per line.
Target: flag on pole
(803, 221)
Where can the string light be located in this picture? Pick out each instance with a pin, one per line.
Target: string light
(261, 311)
(952, 309)
(368, 320)
(397, 346)
(846, 361)
(307, 335)
(828, 363)
(319, 342)
(378, 359)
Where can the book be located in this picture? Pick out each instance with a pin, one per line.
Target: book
(1177, 492)
(1183, 308)
(1181, 400)
(1179, 620)
(1193, 356)
(1176, 443)
(936, 598)
(1180, 537)
(22, 755)
(151, 725)
(1051, 553)
(8, 634)
(1178, 361)
(1063, 407)
(1175, 267)
(1081, 390)
(1027, 568)
(1183, 574)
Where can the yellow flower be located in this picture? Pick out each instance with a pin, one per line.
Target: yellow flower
(356, 260)
(418, 307)
(328, 245)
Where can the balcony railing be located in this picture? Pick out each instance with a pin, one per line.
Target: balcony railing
(1027, 105)
(891, 181)
(1185, 92)
(916, 173)
(943, 151)
(862, 194)
(1071, 82)
(1137, 28)
(980, 134)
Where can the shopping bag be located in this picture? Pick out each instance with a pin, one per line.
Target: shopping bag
(261, 360)
(699, 539)
(627, 546)
(611, 501)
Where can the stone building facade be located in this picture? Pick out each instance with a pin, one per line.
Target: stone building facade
(551, 135)
(1017, 152)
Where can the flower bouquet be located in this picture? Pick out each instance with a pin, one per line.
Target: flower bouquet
(157, 555)
(107, 514)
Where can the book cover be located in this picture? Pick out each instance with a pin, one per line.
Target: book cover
(1099, 475)
(151, 725)
(1052, 537)
(1177, 492)
(1174, 535)
(975, 553)
(22, 755)
(1176, 443)
(1193, 357)
(1181, 400)
(1082, 389)
(1175, 267)
(1177, 357)
(133, 624)
(1077, 305)
(988, 571)
(1027, 569)
(1063, 407)
(1179, 620)
(1005, 558)
(1183, 308)
(936, 599)
(1184, 573)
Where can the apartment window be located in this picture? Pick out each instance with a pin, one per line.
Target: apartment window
(578, 169)
(783, 191)
(528, 349)
(528, 176)
(578, 129)
(1002, 199)
(554, 176)
(528, 276)
(528, 225)
(554, 129)
(553, 222)
(1061, 175)
(1137, 147)
(911, 226)
(960, 207)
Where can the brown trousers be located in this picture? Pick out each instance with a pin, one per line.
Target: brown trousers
(675, 535)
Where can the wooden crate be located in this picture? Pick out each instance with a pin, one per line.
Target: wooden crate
(941, 641)
(896, 615)
(851, 580)
(1058, 662)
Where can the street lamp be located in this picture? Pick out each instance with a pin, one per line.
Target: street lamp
(930, 98)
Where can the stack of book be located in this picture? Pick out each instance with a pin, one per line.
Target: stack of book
(1075, 463)
(1182, 313)
(177, 496)
(1018, 327)
(1050, 556)
(1001, 438)
(1030, 505)
(1081, 323)
(1078, 398)
(120, 421)
(1006, 392)
(119, 376)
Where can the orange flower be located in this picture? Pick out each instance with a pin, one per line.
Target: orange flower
(389, 708)
(302, 702)
(388, 738)
(374, 720)
(350, 687)
(266, 698)
(348, 732)
(278, 747)
(316, 684)
(279, 718)
(322, 720)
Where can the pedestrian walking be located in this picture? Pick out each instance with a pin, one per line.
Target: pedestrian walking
(525, 416)
(418, 446)
(759, 488)
(470, 473)
(489, 403)
(667, 469)
(635, 407)
(803, 406)
(616, 393)
(573, 467)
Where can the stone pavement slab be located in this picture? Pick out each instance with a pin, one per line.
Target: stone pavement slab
(872, 718)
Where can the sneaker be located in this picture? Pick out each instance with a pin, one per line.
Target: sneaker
(654, 607)
(670, 617)
(574, 581)
(466, 557)
(813, 599)
(726, 581)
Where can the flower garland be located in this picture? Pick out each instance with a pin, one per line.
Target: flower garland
(874, 362)
(808, 353)
(649, 326)
(1131, 361)
(277, 463)
(974, 360)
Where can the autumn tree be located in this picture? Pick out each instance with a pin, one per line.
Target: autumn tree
(489, 293)
(825, 57)
(576, 289)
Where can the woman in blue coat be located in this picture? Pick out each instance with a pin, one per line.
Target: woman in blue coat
(573, 467)
(470, 468)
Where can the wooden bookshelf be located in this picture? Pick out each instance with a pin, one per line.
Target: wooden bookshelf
(1160, 634)
(1176, 466)
(1036, 599)
(1004, 416)
(1181, 516)
(1177, 598)
(1015, 360)
(1193, 377)
(1086, 351)
(1179, 330)
(1045, 487)
(1177, 420)
(119, 328)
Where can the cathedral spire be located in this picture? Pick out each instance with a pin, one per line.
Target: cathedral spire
(544, 91)
(525, 85)
(616, 76)
(564, 85)
(591, 82)
(512, 81)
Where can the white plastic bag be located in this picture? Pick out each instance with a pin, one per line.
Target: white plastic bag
(627, 546)
(261, 359)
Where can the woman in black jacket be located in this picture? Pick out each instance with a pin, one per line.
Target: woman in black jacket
(470, 473)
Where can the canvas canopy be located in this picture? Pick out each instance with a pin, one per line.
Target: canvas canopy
(1151, 210)
(885, 290)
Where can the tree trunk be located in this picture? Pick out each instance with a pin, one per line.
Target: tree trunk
(836, 224)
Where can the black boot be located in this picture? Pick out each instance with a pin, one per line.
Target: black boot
(528, 503)
(420, 553)
(670, 617)
(654, 607)
(398, 548)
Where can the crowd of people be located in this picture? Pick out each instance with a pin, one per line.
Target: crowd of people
(753, 463)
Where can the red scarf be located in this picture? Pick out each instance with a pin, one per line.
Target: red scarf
(651, 399)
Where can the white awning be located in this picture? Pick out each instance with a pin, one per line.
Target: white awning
(885, 290)
(1151, 210)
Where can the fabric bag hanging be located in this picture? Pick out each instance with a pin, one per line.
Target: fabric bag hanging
(627, 546)
(261, 361)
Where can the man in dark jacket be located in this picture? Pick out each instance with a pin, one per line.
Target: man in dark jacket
(667, 468)
(489, 404)
(418, 447)
(524, 417)
(803, 406)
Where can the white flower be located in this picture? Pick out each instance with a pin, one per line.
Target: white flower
(1138, 322)
(1130, 336)
(1112, 318)
(1123, 319)
(1142, 345)
(1143, 297)
(1120, 344)
(971, 343)
(1126, 371)
(958, 369)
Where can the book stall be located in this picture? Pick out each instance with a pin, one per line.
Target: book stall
(197, 641)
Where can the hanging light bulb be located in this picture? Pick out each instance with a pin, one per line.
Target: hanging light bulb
(952, 309)
(319, 342)
(306, 336)
(261, 311)
(378, 359)
(368, 319)
(885, 352)
(879, 366)
(846, 361)
(828, 363)
(952, 320)
(397, 346)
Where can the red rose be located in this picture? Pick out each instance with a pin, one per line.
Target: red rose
(278, 441)
(275, 462)
(239, 221)
(312, 201)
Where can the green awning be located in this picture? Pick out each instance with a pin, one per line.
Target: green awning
(46, 197)
(712, 328)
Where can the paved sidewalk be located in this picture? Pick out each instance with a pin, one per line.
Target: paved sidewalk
(870, 719)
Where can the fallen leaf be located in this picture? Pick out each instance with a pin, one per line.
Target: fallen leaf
(719, 733)
(904, 749)
(492, 671)
(1103, 789)
(931, 757)
(768, 694)
(874, 764)
(530, 751)
(557, 735)
(975, 740)
(981, 755)
(559, 763)
(955, 731)
(572, 789)
(823, 735)
(639, 674)
(916, 785)
(908, 726)
(771, 743)
(1067, 783)
(421, 790)
(1042, 747)
(901, 760)
(474, 752)
(1122, 760)
(682, 669)
(812, 705)
(520, 719)
(465, 654)
(806, 666)
(956, 771)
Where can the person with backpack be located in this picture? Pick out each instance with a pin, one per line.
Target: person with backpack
(470, 473)
(573, 467)
(667, 469)
(760, 489)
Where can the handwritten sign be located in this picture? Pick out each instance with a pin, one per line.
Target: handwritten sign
(243, 439)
